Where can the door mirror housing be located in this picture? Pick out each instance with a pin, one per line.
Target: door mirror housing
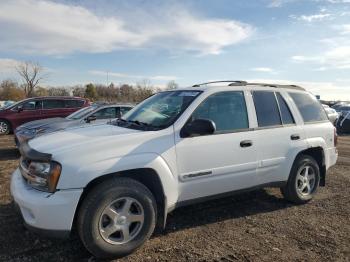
(198, 127)
(19, 108)
(90, 119)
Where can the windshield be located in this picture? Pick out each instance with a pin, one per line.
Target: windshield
(81, 113)
(9, 105)
(159, 111)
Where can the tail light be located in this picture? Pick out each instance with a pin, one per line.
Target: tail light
(335, 137)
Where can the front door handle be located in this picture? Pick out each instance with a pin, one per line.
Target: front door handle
(246, 143)
(295, 137)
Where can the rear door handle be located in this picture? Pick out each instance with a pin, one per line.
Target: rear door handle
(295, 137)
(246, 143)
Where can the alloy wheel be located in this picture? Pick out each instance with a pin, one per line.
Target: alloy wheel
(121, 221)
(306, 180)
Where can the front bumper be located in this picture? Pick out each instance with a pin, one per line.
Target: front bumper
(45, 212)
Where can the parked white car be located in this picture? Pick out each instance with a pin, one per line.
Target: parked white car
(116, 183)
(331, 113)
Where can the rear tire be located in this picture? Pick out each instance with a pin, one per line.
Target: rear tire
(5, 127)
(116, 217)
(303, 180)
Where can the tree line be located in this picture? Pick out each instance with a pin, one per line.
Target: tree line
(32, 75)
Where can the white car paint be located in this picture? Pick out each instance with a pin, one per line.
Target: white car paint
(87, 153)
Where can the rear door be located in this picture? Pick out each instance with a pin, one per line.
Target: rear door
(72, 105)
(278, 136)
(54, 108)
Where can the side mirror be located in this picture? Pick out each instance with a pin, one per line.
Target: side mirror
(19, 108)
(90, 119)
(198, 127)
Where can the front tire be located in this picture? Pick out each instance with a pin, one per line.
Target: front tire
(303, 180)
(116, 218)
(5, 127)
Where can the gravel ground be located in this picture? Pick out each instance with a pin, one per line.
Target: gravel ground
(256, 226)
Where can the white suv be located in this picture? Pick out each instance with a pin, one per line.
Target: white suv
(116, 182)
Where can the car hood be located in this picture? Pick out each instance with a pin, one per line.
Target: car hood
(49, 123)
(85, 141)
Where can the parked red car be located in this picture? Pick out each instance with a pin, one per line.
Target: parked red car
(38, 108)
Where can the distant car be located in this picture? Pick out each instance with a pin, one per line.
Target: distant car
(36, 108)
(93, 114)
(343, 123)
(331, 113)
(6, 103)
(339, 105)
(343, 109)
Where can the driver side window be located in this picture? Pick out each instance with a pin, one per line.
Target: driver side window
(106, 113)
(226, 109)
(31, 105)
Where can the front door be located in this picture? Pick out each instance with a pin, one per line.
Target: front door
(30, 111)
(224, 161)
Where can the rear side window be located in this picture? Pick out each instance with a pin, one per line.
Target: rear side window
(287, 117)
(226, 109)
(266, 108)
(53, 104)
(74, 103)
(310, 109)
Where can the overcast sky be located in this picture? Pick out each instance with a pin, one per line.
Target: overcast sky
(285, 41)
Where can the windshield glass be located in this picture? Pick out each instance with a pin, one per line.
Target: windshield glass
(81, 113)
(160, 110)
(9, 105)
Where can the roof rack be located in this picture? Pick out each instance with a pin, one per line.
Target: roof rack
(278, 86)
(244, 83)
(232, 83)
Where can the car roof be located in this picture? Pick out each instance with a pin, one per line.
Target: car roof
(113, 105)
(53, 97)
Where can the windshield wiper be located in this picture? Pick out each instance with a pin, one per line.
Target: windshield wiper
(145, 126)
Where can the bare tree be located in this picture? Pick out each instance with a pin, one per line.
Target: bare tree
(31, 72)
(172, 85)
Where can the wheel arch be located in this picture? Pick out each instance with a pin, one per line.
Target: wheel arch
(318, 154)
(146, 176)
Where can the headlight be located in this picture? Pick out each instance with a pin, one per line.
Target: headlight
(43, 176)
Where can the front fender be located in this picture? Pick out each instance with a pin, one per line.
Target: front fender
(89, 171)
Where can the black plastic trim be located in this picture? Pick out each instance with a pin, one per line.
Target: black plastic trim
(230, 193)
(60, 234)
(32, 154)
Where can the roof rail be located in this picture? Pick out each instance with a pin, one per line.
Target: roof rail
(232, 83)
(244, 83)
(278, 86)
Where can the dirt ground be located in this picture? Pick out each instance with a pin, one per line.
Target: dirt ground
(256, 226)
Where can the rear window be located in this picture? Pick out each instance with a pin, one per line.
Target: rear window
(309, 107)
(266, 108)
(74, 103)
(287, 117)
(53, 103)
